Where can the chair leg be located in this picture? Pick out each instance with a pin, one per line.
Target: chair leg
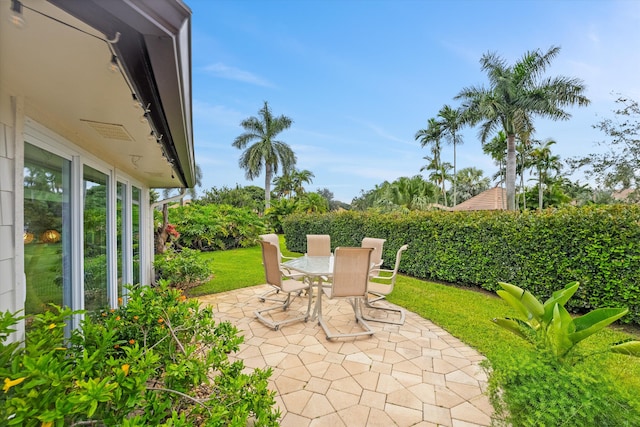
(356, 305)
(284, 306)
(265, 296)
(368, 304)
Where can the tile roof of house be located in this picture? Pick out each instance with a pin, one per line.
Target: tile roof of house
(491, 199)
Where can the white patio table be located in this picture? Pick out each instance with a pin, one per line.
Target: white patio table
(317, 269)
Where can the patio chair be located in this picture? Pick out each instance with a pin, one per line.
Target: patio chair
(376, 255)
(381, 290)
(273, 239)
(274, 277)
(318, 245)
(350, 275)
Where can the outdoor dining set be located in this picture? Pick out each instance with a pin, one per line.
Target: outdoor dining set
(353, 274)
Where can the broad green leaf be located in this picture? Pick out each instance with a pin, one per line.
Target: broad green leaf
(557, 332)
(631, 348)
(510, 325)
(529, 301)
(558, 297)
(517, 304)
(594, 321)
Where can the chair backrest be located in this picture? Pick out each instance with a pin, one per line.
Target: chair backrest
(350, 272)
(376, 255)
(271, 264)
(273, 239)
(397, 266)
(318, 245)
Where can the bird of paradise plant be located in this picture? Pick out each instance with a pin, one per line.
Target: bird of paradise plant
(551, 328)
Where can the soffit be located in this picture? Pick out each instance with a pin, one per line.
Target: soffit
(64, 78)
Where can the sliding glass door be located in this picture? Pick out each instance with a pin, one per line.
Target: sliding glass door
(82, 230)
(47, 230)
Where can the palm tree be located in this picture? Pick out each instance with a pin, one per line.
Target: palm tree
(515, 95)
(283, 185)
(266, 152)
(471, 182)
(300, 177)
(497, 149)
(312, 202)
(543, 161)
(440, 174)
(450, 125)
(523, 156)
(432, 135)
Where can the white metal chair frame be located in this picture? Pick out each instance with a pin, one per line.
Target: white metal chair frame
(274, 240)
(376, 255)
(349, 281)
(274, 277)
(381, 290)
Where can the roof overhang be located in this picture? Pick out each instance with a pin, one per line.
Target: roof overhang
(58, 63)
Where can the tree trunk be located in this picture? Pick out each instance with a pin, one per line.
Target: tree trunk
(511, 172)
(455, 176)
(540, 195)
(267, 185)
(163, 235)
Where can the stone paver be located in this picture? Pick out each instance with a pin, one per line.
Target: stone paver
(415, 374)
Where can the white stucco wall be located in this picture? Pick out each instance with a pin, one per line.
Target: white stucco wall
(12, 284)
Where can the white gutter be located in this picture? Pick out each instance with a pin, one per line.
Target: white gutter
(170, 199)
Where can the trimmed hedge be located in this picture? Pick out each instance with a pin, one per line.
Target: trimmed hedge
(599, 246)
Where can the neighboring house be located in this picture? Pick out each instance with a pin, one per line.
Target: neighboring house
(77, 155)
(491, 199)
(628, 195)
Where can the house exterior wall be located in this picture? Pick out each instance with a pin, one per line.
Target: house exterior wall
(15, 129)
(12, 285)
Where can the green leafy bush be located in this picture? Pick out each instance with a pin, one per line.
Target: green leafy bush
(551, 328)
(595, 245)
(529, 391)
(216, 227)
(182, 269)
(160, 360)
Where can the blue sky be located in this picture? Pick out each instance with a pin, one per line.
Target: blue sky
(360, 77)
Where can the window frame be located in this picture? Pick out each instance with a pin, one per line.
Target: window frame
(43, 138)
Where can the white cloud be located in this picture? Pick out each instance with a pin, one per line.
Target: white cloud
(218, 114)
(226, 72)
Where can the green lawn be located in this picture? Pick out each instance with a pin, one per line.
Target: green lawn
(465, 313)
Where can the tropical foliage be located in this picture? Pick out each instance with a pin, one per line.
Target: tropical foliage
(432, 136)
(291, 183)
(160, 360)
(214, 227)
(403, 194)
(450, 124)
(513, 99)
(544, 162)
(184, 269)
(250, 197)
(266, 153)
(550, 327)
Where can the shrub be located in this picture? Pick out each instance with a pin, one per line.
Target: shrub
(215, 227)
(183, 269)
(594, 245)
(528, 391)
(551, 328)
(160, 360)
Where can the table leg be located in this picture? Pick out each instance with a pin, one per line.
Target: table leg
(318, 306)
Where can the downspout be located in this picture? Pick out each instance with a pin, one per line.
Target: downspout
(152, 207)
